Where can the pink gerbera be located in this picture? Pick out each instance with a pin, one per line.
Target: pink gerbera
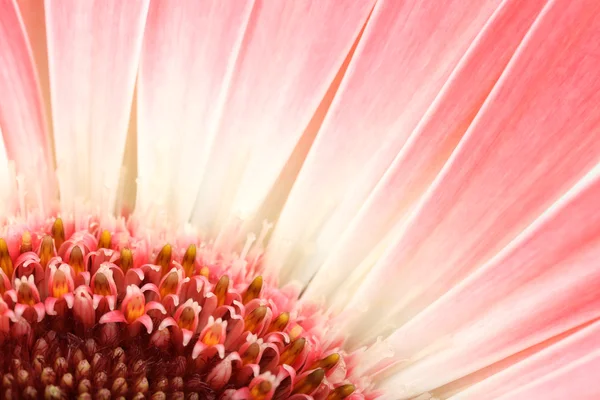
(304, 200)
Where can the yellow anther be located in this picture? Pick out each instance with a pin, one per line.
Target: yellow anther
(126, 259)
(221, 289)
(260, 391)
(328, 362)
(76, 260)
(310, 382)
(212, 335)
(341, 392)
(280, 322)
(2, 287)
(253, 290)
(135, 308)
(46, 250)
(249, 356)
(204, 272)
(5, 261)
(189, 261)
(169, 285)
(26, 244)
(58, 233)
(60, 287)
(25, 295)
(186, 319)
(163, 259)
(253, 320)
(101, 284)
(292, 351)
(296, 332)
(104, 240)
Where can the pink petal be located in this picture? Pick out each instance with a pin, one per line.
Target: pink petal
(537, 366)
(93, 49)
(33, 16)
(407, 53)
(577, 380)
(528, 145)
(49, 304)
(20, 309)
(290, 54)
(167, 322)
(146, 321)
(40, 310)
(200, 56)
(150, 287)
(187, 336)
(548, 274)
(155, 305)
(22, 118)
(69, 299)
(425, 152)
(113, 316)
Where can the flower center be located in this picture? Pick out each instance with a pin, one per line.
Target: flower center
(170, 323)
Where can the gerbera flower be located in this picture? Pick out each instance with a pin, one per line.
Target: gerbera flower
(299, 200)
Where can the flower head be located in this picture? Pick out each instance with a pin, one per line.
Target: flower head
(306, 200)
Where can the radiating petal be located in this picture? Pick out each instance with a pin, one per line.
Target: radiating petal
(541, 285)
(93, 49)
(425, 152)
(22, 117)
(536, 366)
(536, 135)
(33, 15)
(177, 100)
(578, 380)
(290, 54)
(406, 55)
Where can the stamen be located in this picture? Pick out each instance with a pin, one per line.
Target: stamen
(280, 322)
(310, 382)
(6, 263)
(253, 320)
(189, 260)
(328, 362)
(292, 351)
(221, 290)
(260, 391)
(104, 240)
(135, 308)
(212, 335)
(163, 259)
(60, 286)
(126, 259)
(25, 243)
(186, 319)
(341, 392)
(251, 353)
(25, 294)
(46, 251)
(101, 284)
(76, 260)
(169, 285)
(58, 233)
(253, 290)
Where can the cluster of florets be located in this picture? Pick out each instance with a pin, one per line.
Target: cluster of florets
(93, 313)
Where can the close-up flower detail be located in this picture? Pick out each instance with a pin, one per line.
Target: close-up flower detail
(299, 199)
